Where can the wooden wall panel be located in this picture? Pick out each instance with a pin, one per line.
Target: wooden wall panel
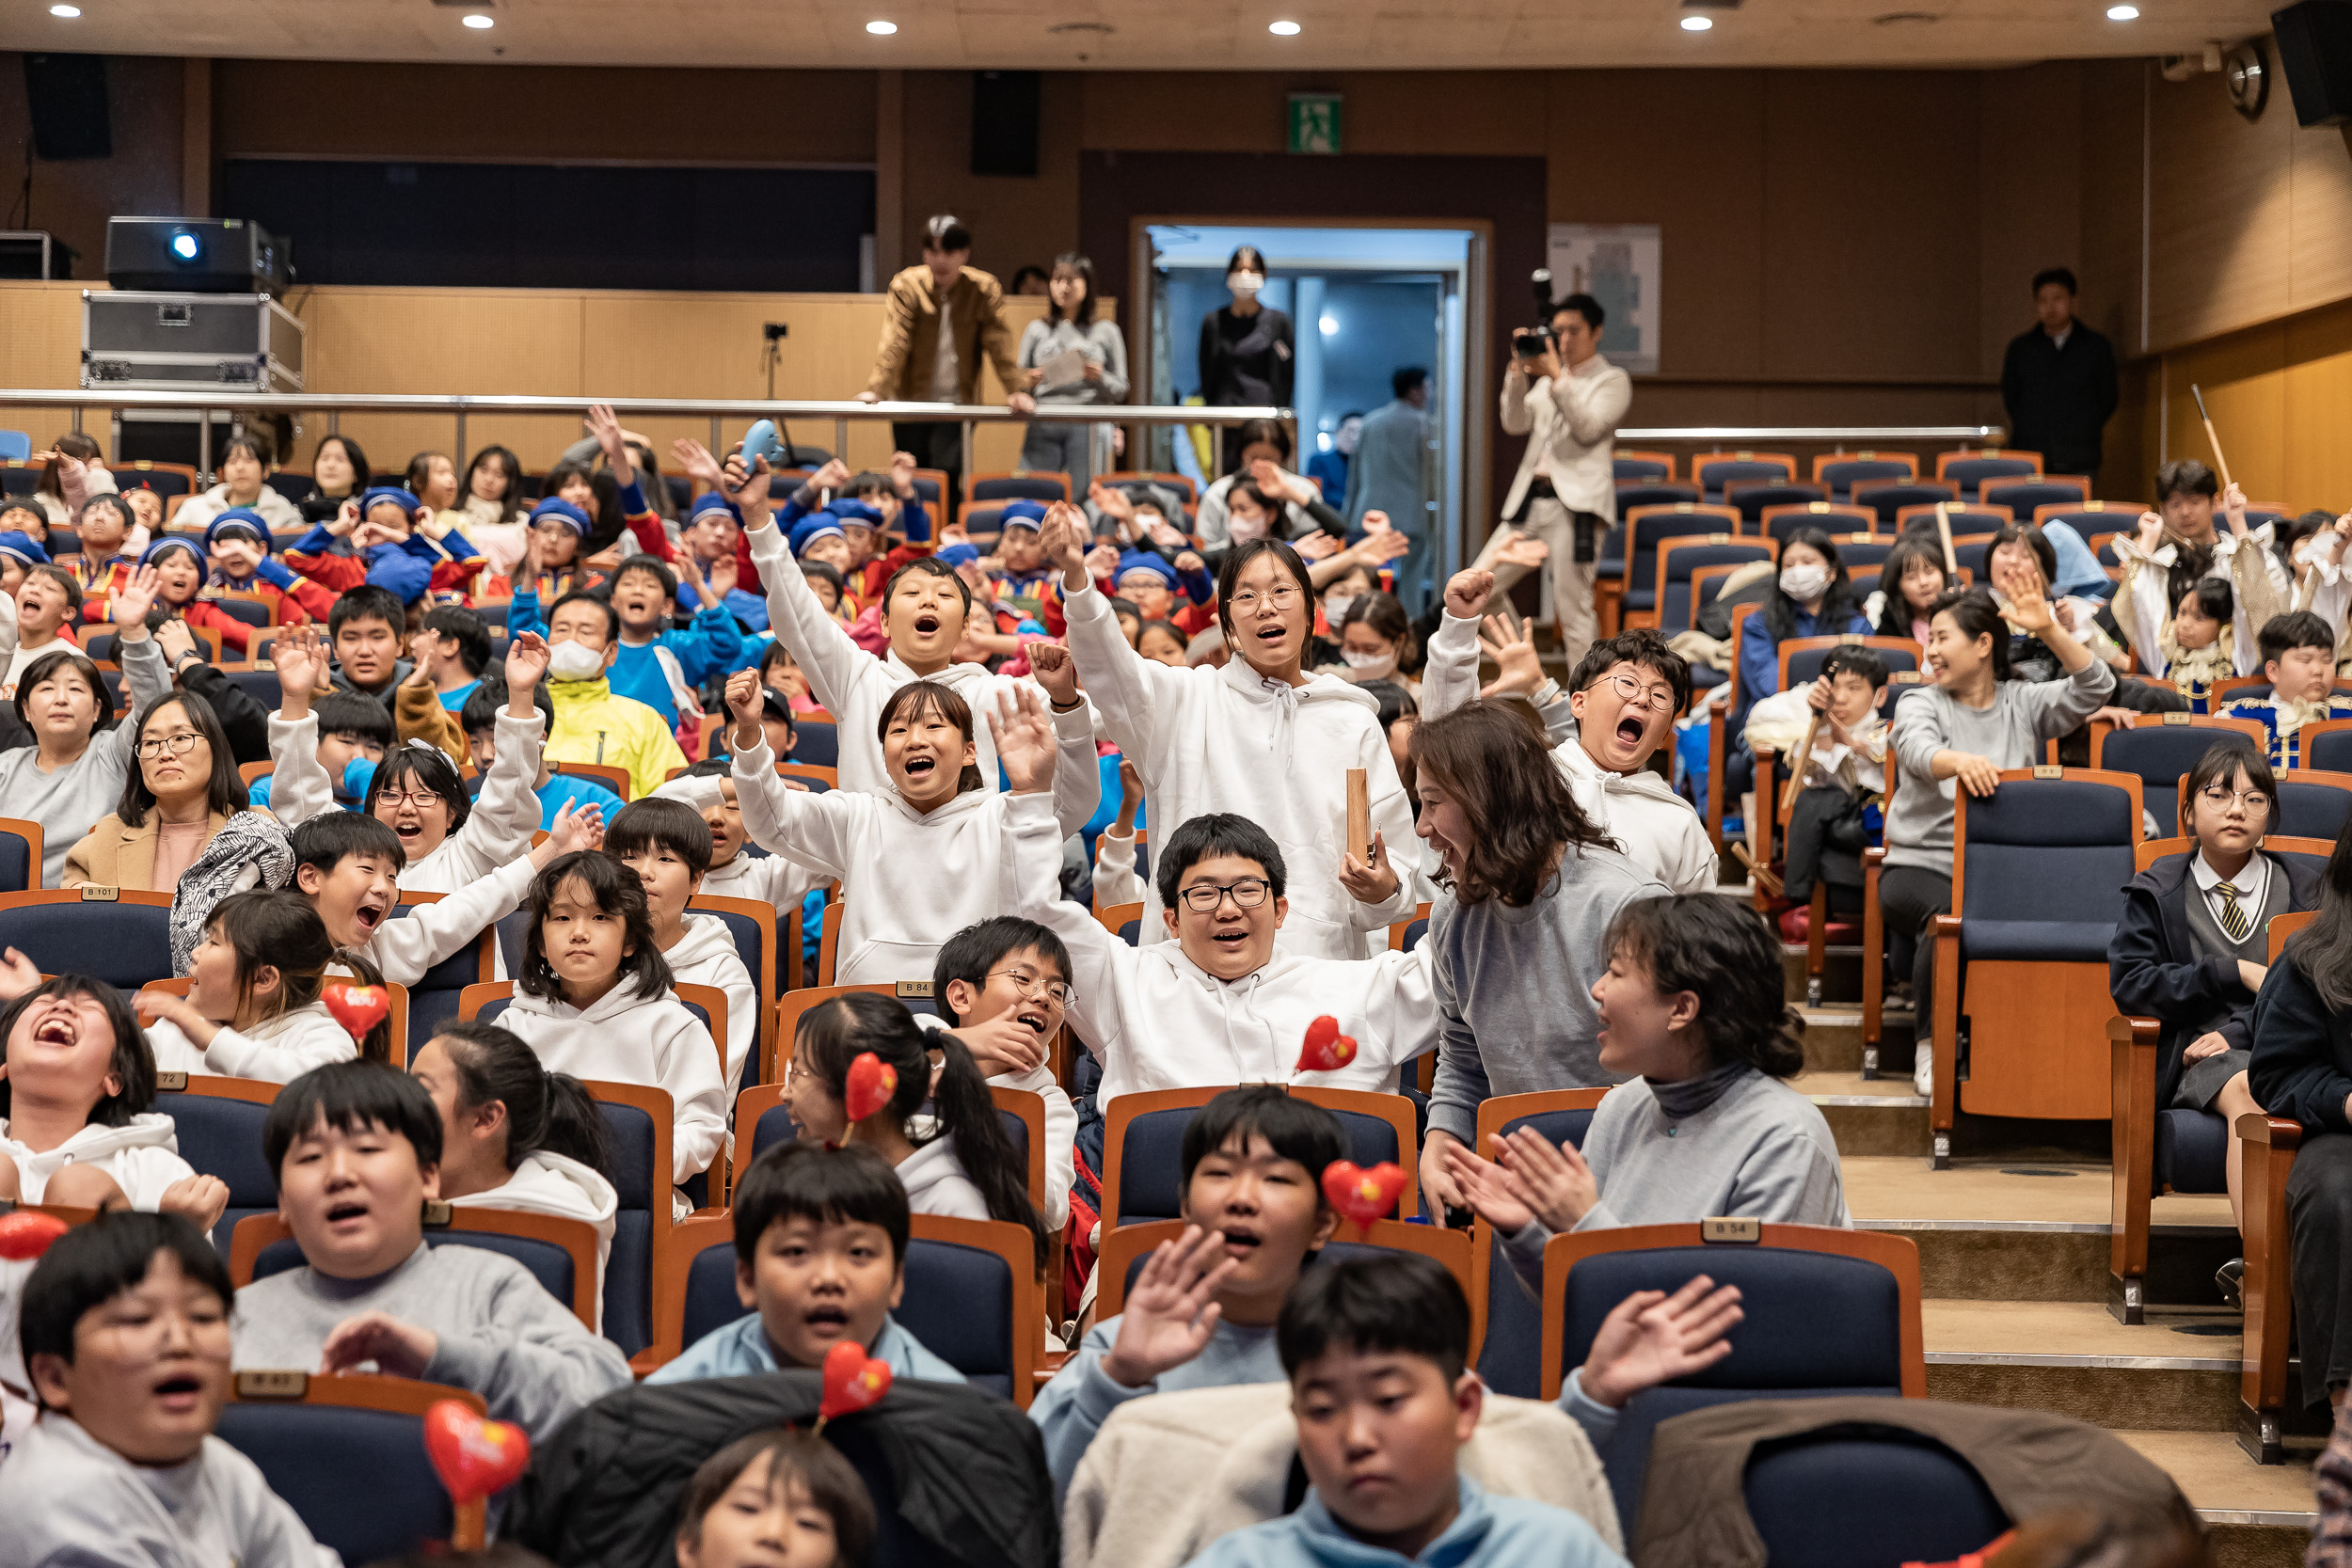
(2113, 106)
(144, 97)
(2318, 377)
(2219, 255)
(2029, 176)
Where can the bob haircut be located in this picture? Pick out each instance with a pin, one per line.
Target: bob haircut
(1212, 835)
(351, 1096)
(1724, 953)
(918, 697)
(922, 566)
(91, 1264)
(1397, 1302)
(813, 1182)
(1492, 757)
(224, 790)
(615, 890)
(1298, 1130)
(800, 1467)
(2222, 762)
(47, 666)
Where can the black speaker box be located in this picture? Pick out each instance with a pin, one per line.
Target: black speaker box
(1004, 123)
(2315, 51)
(68, 95)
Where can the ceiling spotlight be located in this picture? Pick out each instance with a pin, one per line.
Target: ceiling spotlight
(68, 12)
(882, 29)
(477, 21)
(2122, 14)
(1698, 23)
(1282, 29)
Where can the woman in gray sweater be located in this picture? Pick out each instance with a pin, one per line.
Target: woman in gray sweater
(1102, 373)
(1972, 724)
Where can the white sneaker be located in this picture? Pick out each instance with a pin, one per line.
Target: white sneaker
(1923, 1070)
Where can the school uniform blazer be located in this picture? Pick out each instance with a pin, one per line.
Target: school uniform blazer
(112, 855)
(2153, 970)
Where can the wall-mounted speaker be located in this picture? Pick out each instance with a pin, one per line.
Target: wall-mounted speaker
(2314, 42)
(1004, 123)
(68, 95)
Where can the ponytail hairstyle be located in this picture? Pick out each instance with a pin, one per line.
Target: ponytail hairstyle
(835, 1033)
(549, 1111)
(281, 929)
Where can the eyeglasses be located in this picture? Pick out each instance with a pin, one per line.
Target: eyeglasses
(2220, 799)
(1030, 983)
(1282, 597)
(417, 798)
(178, 745)
(1636, 694)
(1204, 898)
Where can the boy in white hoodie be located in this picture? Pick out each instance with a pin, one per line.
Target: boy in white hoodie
(1218, 1002)
(127, 1342)
(785, 885)
(923, 862)
(1618, 709)
(668, 845)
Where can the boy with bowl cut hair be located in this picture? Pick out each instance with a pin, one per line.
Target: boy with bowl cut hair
(2298, 653)
(667, 843)
(126, 1337)
(820, 1247)
(356, 1146)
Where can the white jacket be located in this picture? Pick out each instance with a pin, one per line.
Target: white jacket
(1062, 1127)
(910, 881)
(1226, 740)
(549, 1183)
(766, 880)
(2259, 589)
(142, 1156)
(627, 1039)
(855, 685)
(936, 1182)
(1659, 831)
(282, 515)
(1115, 879)
(1157, 1021)
(404, 947)
(1779, 721)
(1573, 418)
(277, 1051)
(706, 955)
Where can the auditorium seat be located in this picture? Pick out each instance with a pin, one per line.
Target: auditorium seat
(218, 1122)
(314, 1441)
(1841, 472)
(119, 935)
(2161, 748)
(1510, 1349)
(1834, 519)
(1970, 469)
(1890, 495)
(1713, 471)
(1144, 1136)
(1645, 528)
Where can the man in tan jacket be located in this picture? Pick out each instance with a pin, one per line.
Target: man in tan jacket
(938, 319)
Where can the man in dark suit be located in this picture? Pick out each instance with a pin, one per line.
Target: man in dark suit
(2057, 381)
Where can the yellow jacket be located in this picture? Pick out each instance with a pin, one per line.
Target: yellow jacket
(592, 725)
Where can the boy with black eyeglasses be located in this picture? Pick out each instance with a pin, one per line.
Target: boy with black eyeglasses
(1002, 987)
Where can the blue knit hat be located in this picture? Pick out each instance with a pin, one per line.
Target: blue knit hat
(1028, 514)
(958, 555)
(238, 522)
(555, 506)
(1144, 563)
(22, 547)
(405, 500)
(156, 551)
(847, 511)
(802, 539)
(710, 500)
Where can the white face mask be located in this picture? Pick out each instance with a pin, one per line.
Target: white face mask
(573, 661)
(1335, 607)
(1245, 282)
(1804, 583)
(1368, 667)
(1245, 529)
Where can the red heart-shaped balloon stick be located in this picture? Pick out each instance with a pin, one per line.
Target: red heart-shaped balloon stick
(27, 1234)
(473, 1457)
(1363, 1195)
(1326, 1049)
(854, 1380)
(870, 1084)
(357, 1008)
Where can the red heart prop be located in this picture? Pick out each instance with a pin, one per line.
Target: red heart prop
(854, 1380)
(871, 1083)
(357, 1008)
(1325, 1050)
(473, 1457)
(27, 1234)
(1363, 1195)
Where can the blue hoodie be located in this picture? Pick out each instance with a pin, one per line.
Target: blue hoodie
(1488, 1533)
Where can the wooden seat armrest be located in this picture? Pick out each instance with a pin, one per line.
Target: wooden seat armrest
(2273, 1132)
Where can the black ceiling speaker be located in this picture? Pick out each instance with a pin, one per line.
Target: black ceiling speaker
(68, 95)
(2314, 42)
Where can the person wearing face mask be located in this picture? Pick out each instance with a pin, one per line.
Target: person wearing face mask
(1330, 469)
(1811, 599)
(1375, 639)
(592, 723)
(1247, 351)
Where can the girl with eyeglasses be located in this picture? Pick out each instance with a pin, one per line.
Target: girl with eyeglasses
(1257, 736)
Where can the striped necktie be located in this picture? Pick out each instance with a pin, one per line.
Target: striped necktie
(2235, 921)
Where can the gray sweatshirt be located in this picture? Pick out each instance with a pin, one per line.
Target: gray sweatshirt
(69, 802)
(502, 1334)
(72, 1502)
(1072, 1408)
(1761, 1151)
(1098, 340)
(2009, 733)
(1515, 987)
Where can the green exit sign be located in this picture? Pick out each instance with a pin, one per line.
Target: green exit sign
(1315, 122)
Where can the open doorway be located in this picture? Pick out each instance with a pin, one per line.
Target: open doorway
(1364, 300)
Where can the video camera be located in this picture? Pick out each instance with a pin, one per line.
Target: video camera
(1532, 342)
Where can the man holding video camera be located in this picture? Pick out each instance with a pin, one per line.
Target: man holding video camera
(1568, 400)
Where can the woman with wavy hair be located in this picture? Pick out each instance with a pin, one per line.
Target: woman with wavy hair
(1521, 939)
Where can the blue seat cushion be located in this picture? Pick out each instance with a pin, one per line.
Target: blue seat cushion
(2192, 1151)
(711, 1302)
(1862, 1497)
(1625, 1456)
(2037, 940)
(312, 1456)
(959, 1304)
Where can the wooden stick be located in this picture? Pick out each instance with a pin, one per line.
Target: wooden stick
(2218, 461)
(1944, 532)
(1805, 760)
(1359, 815)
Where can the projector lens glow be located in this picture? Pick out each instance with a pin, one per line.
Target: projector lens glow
(185, 246)
(1698, 23)
(1283, 29)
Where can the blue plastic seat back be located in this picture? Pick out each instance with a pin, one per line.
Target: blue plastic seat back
(711, 1301)
(220, 1136)
(134, 476)
(1663, 492)
(749, 946)
(1131, 932)
(2026, 496)
(1036, 487)
(1415, 930)
(432, 1000)
(2047, 860)
(313, 1456)
(1643, 469)
(2331, 753)
(959, 1304)
(2161, 755)
(1887, 500)
(1968, 523)
(1150, 1171)
(124, 944)
(19, 480)
(1864, 554)
(2192, 1151)
(1844, 474)
(64, 540)
(1675, 610)
(1843, 1499)
(1641, 583)
(1511, 1359)
(1753, 498)
(260, 685)
(2312, 810)
(645, 1205)
(513, 939)
(251, 611)
(1970, 473)
(18, 874)
(1712, 474)
(1805, 665)
(1972, 555)
(816, 743)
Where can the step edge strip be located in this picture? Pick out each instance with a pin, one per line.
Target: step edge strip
(2105, 1362)
(2271, 1517)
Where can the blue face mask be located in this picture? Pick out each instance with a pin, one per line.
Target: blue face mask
(358, 774)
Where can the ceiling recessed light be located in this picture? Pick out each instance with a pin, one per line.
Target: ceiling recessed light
(1698, 23)
(477, 21)
(882, 29)
(68, 12)
(1282, 29)
(2122, 14)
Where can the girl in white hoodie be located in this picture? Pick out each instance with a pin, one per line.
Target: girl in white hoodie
(77, 1093)
(956, 1160)
(254, 1008)
(515, 1136)
(667, 843)
(594, 1000)
(919, 864)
